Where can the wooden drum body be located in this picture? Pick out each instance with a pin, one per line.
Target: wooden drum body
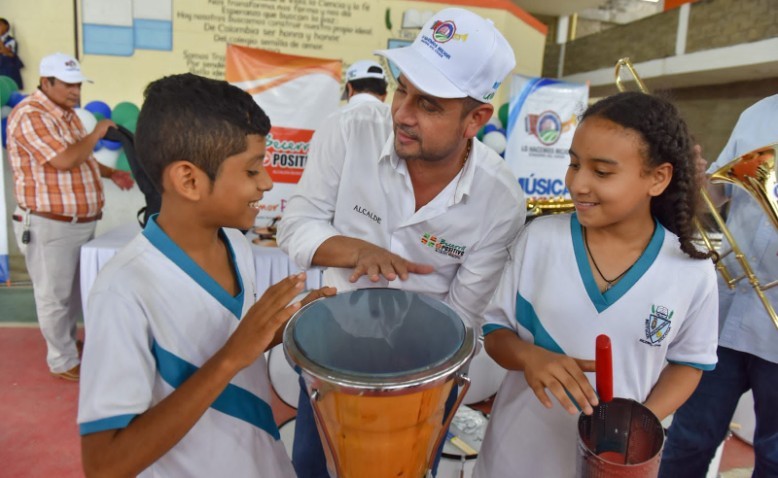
(379, 365)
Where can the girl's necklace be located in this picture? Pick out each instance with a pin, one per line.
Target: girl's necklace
(608, 283)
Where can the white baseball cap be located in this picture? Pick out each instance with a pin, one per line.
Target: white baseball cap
(62, 67)
(359, 70)
(456, 54)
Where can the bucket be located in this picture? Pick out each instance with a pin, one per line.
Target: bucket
(620, 439)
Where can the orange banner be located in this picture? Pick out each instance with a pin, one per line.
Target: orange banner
(287, 153)
(297, 93)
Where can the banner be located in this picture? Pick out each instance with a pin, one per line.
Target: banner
(543, 114)
(297, 93)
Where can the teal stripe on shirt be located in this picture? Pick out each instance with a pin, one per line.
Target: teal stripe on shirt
(234, 401)
(159, 239)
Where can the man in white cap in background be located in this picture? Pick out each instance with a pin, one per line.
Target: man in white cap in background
(364, 77)
(60, 198)
(436, 211)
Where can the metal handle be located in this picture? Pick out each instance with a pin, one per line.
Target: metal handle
(323, 431)
(463, 381)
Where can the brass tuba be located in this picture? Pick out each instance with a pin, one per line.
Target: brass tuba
(756, 173)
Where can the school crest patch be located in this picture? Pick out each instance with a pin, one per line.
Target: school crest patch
(658, 325)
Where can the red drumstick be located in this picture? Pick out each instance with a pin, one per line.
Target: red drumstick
(604, 368)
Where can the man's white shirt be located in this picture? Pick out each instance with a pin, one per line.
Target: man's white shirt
(353, 186)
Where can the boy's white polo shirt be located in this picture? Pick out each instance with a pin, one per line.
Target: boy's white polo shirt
(663, 310)
(465, 232)
(154, 317)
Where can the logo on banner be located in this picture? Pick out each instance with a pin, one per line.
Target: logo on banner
(547, 127)
(286, 153)
(657, 325)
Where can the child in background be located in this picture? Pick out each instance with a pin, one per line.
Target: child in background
(623, 265)
(174, 382)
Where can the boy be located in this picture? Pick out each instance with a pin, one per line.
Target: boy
(174, 382)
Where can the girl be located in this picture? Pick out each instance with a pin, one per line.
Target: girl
(623, 265)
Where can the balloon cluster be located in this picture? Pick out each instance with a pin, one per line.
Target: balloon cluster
(9, 97)
(109, 153)
(493, 132)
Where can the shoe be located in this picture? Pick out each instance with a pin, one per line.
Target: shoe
(71, 375)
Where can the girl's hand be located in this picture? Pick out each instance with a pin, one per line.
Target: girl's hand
(563, 376)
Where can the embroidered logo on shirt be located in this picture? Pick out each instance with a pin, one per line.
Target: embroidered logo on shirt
(657, 325)
(441, 246)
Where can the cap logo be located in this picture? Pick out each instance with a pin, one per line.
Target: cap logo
(70, 64)
(443, 31)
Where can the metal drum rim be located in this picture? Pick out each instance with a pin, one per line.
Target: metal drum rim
(364, 385)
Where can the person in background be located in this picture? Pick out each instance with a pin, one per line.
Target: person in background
(624, 265)
(60, 198)
(435, 211)
(10, 63)
(364, 77)
(748, 339)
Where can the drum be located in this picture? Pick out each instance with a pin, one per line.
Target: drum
(621, 439)
(379, 365)
(283, 378)
(485, 377)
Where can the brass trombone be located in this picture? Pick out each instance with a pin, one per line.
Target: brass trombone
(756, 173)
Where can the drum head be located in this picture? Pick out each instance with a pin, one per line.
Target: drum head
(283, 378)
(485, 377)
(377, 334)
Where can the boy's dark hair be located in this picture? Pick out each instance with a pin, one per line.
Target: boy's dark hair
(666, 139)
(377, 86)
(5, 22)
(189, 117)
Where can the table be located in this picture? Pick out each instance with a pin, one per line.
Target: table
(271, 263)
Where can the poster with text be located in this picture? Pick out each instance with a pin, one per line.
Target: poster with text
(297, 93)
(543, 114)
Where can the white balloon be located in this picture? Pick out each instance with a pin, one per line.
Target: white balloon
(6, 110)
(87, 119)
(495, 121)
(495, 140)
(106, 157)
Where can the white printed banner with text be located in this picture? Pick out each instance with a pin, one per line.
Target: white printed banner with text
(543, 114)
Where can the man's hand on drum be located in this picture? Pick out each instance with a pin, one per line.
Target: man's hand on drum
(374, 261)
(563, 376)
(262, 324)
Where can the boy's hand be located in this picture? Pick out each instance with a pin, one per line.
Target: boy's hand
(258, 327)
(562, 375)
(374, 262)
(318, 294)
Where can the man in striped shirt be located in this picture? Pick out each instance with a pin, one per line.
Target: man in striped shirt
(60, 198)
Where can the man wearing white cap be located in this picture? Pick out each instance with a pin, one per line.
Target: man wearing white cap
(436, 209)
(60, 198)
(364, 77)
